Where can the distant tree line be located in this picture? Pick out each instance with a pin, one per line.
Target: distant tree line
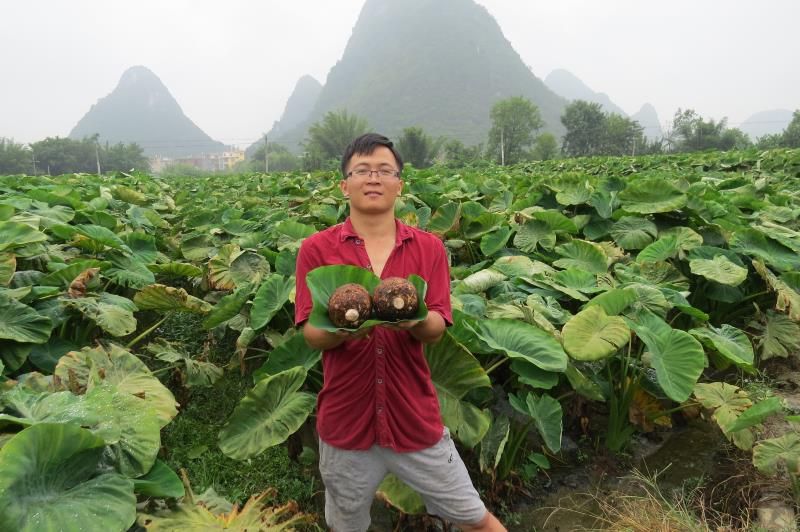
(55, 155)
(515, 137)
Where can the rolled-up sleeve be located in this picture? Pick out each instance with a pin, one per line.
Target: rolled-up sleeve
(438, 295)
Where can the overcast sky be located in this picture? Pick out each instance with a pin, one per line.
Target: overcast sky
(232, 65)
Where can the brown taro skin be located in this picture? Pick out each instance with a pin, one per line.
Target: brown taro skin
(349, 306)
(395, 299)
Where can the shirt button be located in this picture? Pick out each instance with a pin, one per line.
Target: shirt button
(358, 241)
(379, 351)
(380, 381)
(380, 409)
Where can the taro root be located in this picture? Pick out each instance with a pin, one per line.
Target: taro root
(349, 306)
(395, 299)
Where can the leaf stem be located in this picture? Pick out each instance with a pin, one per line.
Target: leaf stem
(145, 333)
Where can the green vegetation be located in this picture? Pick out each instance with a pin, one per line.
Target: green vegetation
(146, 322)
(515, 122)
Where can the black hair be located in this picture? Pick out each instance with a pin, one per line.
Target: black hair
(365, 145)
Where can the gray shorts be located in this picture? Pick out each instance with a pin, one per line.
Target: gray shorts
(437, 473)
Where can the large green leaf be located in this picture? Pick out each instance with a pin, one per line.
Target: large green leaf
(17, 235)
(128, 271)
(20, 323)
(719, 269)
(727, 402)
(675, 355)
(455, 372)
(248, 267)
(8, 265)
(323, 281)
(756, 414)
(614, 301)
(728, 341)
(591, 334)
(788, 300)
(784, 451)
(267, 415)
(121, 368)
(753, 243)
(48, 482)
(631, 232)
(532, 234)
(532, 375)
(113, 319)
(495, 241)
(162, 297)
(271, 296)
(293, 352)
(399, 495)
(521, 340)
(479, 281)
(228, 307)
(582, 255)
(445, 219)
(197, 372)
(547, 416)
(780, 336)
(175, 269)
(662, 249)
(494, 443)
(160, 481)
(651, 195)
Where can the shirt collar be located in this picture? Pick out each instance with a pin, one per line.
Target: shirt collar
(402, 232)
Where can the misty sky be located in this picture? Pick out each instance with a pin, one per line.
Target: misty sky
(232, 65)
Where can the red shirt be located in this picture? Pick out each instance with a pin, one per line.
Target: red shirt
(378, 390)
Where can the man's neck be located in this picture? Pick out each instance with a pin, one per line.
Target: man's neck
(371, 227)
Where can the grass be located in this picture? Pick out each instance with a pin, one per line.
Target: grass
(190, 441)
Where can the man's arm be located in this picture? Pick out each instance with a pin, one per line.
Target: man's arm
(428, 331)
(321, 339)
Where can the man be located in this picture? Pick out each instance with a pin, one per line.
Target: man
(378, 411)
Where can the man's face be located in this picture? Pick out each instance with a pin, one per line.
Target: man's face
(372, 193)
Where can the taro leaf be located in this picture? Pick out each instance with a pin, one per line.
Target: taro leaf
(292, 233)
(228, 307)
(248, 267)
(161, 297)
(709, 252)
(632, 232)
(142, 245)
(677, 357)
(445, 219)
(17, 235)
(532, 375)
(160, 482)
(753, 243)
(494, 443)
(455, 371)
(219, 267)
(730, 342)
(21, 323)
(785, 451)
(293, 352)
(323, 281)
(756, 414)
(582, 255)
(286, 262)
(532, 234)
(556, 221)
(720, 270)
(100, 235)
(593, 335)
(175, 269)
(65, 276)
(651, 195)
(517, 266)
(113, 319)
(479, 281)
(788, 300)
(687, 239)
(271, 296)
(614, 301)
(521, 340)
(574, 194)
(547, 417)
(495, 241)
(46, 356)
(14, 354)
(128, 271)
(583, 385)
(123, 369)
(196, 247)
(662, 249)
(47, 483)
(267, 415)
(780, 336)
(648, 299)
(8, 265)
(198, 372)
(399, 495)
(481, 224)
(579, 280)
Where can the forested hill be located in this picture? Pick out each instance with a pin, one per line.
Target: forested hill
(438, 64)
(142, 110)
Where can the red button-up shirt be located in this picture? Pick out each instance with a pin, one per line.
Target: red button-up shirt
(378, 390)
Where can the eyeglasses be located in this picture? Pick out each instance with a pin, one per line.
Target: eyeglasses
(365, 172)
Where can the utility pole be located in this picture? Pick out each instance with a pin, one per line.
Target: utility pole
(97, 156)
(502, 149)
(33, 157)
(266, 154)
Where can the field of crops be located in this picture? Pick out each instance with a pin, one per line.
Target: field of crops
(636, 286)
